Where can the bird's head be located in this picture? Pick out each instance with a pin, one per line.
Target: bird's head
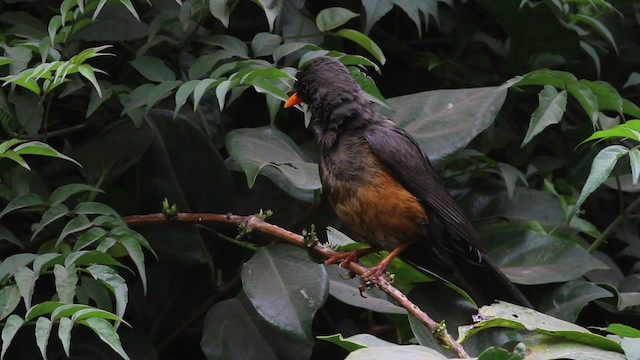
(334, 97)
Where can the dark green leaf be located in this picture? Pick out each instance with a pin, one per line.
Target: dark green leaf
(66, 191)
(153, 69)
(272, 153)
(79, 223)
(586, 98)
(52, 214)
(9, 265)
(89, 237)
(633, 80)
(355, 342)
(116, 285)
(597, 26)
(161, 91)
(264, 44)
(220, 11)
(375, 10)
(285, 287)
(271, 10)
(445, 121)
(135, 252)
(396, 352)
(87, 208)
(567, 300)
(21, 202)
(38, 148)
(90, 257)
(5, 234)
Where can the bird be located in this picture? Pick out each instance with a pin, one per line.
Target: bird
(383, 188)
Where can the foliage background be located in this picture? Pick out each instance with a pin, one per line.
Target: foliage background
(182, 100)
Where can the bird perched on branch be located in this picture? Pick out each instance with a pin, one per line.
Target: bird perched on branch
(383, 187)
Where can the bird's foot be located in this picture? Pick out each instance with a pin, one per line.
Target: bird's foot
(372, 277)
(347, 257)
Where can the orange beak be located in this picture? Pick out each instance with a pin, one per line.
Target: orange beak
(294, 99)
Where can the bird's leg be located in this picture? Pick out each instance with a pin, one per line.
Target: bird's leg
(378, 269)
(346, 257)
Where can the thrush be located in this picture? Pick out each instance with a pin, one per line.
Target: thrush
(383, 188)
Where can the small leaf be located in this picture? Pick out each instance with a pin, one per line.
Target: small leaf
(633, 80)
(64, 192)
(550, 111)
(634, 159)
(629, 129)
(331, 18)
(74, 225)
(271, 10)
(94, 208)
(220, 11)
(11, 264)
(127, 238)
(106, 332)
(87, 72)
(9, 300)
(289, 48)
(364, 41)
(597, 26)
(89, 237)
(264, 44)
(26, 281)
(129, 6)
(43, 329)
(5, 234)
(38, 148)
(52, 214)
(115, 283)
(21, 202)
(183, 94)
(160, 91)
(586, 98)
(66, 281)
(64, 333)
(10, 329)
(601, 167)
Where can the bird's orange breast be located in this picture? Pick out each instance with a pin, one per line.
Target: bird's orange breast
(375, 206)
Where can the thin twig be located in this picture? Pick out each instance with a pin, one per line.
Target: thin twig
(614, 224)
(256, 223)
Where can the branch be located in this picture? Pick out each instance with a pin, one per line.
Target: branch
(254, 222)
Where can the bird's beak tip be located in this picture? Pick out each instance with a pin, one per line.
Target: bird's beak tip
(294, 99)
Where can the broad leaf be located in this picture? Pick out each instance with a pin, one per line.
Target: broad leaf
(9, 300)
(331, 18)
(285, 287)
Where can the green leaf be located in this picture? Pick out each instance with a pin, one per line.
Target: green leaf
(129, 6)
(93, 208)
(445, 121)
(633, 80)
(271, 10)
(235, 46)
(43, 330)
(264, 44)
(45, 261)
(21, 202)
(623, 330)
(375, 10)
(153, 69)
(52, 214)
(64, 333)
(220, 10)
(91, 257)
(183, 94)
(66, 191)
(161, 91)
(567, 301)
(608, 97)
(26, 281)
(66, 282)
(364, 41)
(12, 155)
(38, 148)
(517, 317)
(530, 257)
(396, 352)
(5, 234)
(597, 26)
(74, 225)
(11, 264)
(87, 72)
(634, 159)
(601, 167)
(134, 249)
(285, 287)
(43, 308)
(291, 47)
(89, 313)
(543, 77)
(586, 98)
(331, 18)
(355, 342)
(115, 283)
(551, 108)
(272, 153)
(348, 292)
(107, 333)
(629, 129)
(9, 300)
(89, 237)
(10, 329)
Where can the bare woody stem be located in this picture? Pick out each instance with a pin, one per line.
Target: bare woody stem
(256, 223)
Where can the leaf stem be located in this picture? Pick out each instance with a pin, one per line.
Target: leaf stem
(605, 234)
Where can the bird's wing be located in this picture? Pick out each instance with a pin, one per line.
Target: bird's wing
(404, 159)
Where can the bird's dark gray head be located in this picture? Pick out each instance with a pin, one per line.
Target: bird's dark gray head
(334, 97)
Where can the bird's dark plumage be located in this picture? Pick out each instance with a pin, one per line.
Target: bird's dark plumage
(383, 187)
